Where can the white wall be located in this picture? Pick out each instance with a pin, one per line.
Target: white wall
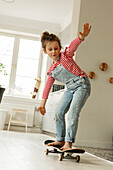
(96, 120)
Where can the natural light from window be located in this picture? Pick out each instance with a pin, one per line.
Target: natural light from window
(6, 53)
(28, 60)
(20, 55)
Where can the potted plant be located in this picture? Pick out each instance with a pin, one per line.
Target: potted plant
(2, 71)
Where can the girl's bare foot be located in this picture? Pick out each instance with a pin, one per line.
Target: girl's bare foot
(67, 145)
(60, 143)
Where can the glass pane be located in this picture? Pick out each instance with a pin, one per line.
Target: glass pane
(27, 66)
(24, 86)
(29, 49)
(6, 53)
(43, 74)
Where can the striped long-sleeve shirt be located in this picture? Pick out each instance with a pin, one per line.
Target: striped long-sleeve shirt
(68, 62)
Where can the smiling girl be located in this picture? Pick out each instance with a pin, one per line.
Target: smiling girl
(65, 70)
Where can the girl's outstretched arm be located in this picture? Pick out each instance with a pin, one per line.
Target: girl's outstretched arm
(75, 43)
(46, 91)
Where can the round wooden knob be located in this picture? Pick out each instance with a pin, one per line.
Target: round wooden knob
(111, 80)
(91, 75)
(103, 66)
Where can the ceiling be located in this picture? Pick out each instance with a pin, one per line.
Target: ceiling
(51, 11)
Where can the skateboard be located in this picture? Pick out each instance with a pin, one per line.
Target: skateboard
(69, 153)
(36, 88)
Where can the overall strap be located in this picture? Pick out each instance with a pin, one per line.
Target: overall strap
(60, 57)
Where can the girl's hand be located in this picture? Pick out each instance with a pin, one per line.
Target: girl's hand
(86, 31)
(41, 109)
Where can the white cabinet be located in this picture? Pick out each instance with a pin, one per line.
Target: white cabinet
(8, 103)
(48, 123)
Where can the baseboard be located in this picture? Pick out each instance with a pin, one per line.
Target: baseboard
(94, 144)
(22, 129)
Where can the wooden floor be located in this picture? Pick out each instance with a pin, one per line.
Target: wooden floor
(26, 151)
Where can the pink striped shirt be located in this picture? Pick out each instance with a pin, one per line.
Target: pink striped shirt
(68, 62)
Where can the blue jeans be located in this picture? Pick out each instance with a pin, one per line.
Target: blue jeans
(72, 101)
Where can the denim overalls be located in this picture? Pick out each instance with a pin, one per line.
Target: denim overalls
(73, 99)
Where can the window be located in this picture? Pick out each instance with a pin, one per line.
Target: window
(6, 53)
(27, 65)
(44, 69)
(21, 56)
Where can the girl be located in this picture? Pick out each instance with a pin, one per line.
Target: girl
(65, 70)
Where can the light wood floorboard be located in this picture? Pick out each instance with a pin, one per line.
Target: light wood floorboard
(26, 151)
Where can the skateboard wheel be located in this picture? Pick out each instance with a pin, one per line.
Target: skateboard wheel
(78, 158)
(47, 151)
(61, 156)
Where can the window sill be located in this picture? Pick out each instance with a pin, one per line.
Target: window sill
(19, 99)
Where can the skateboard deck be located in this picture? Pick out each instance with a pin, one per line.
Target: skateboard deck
(68, 153)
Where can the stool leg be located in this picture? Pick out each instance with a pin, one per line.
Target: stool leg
(8, 126)
(26, 122)
(10, 120)
(26, 127)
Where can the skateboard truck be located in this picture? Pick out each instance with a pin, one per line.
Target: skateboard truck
(63, 155)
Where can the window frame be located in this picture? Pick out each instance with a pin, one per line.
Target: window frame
(17, 36)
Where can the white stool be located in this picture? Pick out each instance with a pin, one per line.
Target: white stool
(13, 120)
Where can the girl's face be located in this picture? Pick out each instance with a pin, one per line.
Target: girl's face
(53, 50)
